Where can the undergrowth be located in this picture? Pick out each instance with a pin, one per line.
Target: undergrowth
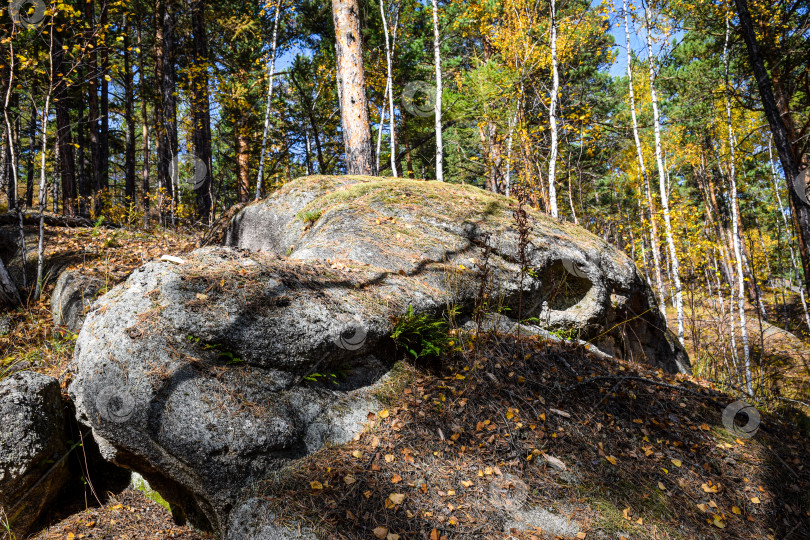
(614, 447)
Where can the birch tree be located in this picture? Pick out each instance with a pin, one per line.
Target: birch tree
(552, 114)
(662, 183)
(437, 59)
(390, 88)
(271, 73)
(735, 224)
(653, 230)
(381, 124)
(43, 192)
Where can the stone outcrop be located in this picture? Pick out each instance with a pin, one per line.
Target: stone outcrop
(206, 374)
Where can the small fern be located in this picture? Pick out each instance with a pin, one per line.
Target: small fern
(422, 335)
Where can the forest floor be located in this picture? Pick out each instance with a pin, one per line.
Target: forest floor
(504, 437)
(595, 448)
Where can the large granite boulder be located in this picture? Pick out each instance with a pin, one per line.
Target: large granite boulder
(33, 470)
(207, 374)
(575, 283)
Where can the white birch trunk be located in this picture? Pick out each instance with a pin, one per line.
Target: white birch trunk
(42, 199)
(271, 75)
(381, 124)
(653, 230)
(735, 224)
(509, 138)
(390, 85)
(43, 191)
(437, 58)
(662, 185)
(552, 115)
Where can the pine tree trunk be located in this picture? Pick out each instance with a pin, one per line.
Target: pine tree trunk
(64, 139)
(144, 135)
(169, 146)
(93, 105)
(84, 183)
(437, 60)
(242, 159)
(552, 115)
(357, 139)
(162, 164)
(673, 254)
(129, 119)
(309, 106)
(104, 128)
(201, 113)
(14, 166)
(783, 212)
(790, 166)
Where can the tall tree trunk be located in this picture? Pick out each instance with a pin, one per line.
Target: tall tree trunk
(552, 114)
(390, 86)
(169, 145)
(104, 128)
(783, 213)
(309, 106)
(84, 171)
(437, 60)
(144, 133)
(271, 73)
(357, 138)
(673, 254)
(32, 148)
(201, 112)
(407, 144)
(161, 145)
(653, 230)
(242, 159)
(507, 183)
(43, 191)
(5, 160)
(381, 124)
(790, 166)
(129, 119)
(93, 104)
(735, 224)
(14, 166)
(64, 139)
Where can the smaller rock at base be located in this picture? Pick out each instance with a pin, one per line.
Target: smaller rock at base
(253, 519)
(32, 447)
(73, 294)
